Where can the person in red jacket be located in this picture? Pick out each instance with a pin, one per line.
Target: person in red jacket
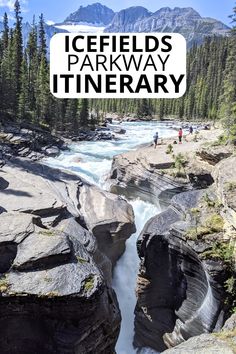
(180, 135)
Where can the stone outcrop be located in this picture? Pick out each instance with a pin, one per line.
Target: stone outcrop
(133, 175)
(205, 344)
(181, 284)
(222, 342)
(108, 217)
(214, 154)
(55, 276)
(151, 173)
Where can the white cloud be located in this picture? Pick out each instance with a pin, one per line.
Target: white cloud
(10, 4)
(7, 3)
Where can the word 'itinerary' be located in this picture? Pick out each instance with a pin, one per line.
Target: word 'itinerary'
(112, 65)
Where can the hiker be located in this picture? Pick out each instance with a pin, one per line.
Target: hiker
(155, 140)
(180, 135)
(190, 130)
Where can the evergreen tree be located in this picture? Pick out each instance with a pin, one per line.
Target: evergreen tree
(24, 91)
(71, 116)
(42, 38)
(33, 62)
(144, 109)
(228, 99)
(5, 32)
(17, 55)
(84, 113)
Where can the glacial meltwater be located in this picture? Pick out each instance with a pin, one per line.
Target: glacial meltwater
(92, 161)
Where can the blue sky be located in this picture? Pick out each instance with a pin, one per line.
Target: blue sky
(58, 10)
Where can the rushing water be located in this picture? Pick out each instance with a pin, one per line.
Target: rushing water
(92, 160)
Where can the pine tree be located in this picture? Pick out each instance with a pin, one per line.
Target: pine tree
(24, 91)
(33, 62)
(5, 32)
(17, 55)
(84, 113)
(71, 116)
(228, 99)
(144, 109)
(42, 38)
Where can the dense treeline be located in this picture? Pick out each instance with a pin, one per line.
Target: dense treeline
(24, 81)
(25, 95)
(210, 70)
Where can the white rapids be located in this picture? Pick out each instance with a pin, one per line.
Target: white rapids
(92, 161)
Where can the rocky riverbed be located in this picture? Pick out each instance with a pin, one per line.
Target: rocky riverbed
(61, 236)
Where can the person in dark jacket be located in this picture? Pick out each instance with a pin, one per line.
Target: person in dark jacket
(155, 138)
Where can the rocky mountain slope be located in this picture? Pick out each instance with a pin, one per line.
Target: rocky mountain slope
(185, 21)
(95, 14)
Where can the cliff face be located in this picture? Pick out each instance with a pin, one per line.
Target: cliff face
(222, 342)
(187, 270)
(186, 279)
(55, 278)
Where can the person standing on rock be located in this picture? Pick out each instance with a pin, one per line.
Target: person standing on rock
(156, 136)
(180, 135)
(190, 130)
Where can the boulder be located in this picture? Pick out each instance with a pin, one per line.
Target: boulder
(109, 217)
(119, 130)
(205, 344)
(52, 151)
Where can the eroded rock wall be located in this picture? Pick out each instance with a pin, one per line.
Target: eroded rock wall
(55, 292)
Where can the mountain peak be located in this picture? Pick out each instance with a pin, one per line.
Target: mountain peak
(96, 14)
(185, 21)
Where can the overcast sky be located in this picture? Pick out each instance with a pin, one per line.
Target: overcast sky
(58, 10)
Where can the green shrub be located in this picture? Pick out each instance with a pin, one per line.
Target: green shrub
(215, 223)
(221, 251)
(169, 149)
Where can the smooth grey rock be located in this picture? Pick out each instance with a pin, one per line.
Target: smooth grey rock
(52, 151)
(131, 175)
(177, 297)
(42, 249)
(230, 324)
(204, 344)
(15, 227)
(28, 193)
(63, 280)
(109, 217)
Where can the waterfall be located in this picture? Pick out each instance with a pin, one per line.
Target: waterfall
(125, 274)
(92, 161)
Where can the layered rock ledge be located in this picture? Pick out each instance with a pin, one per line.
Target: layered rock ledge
(55, 268)
(186, 280)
